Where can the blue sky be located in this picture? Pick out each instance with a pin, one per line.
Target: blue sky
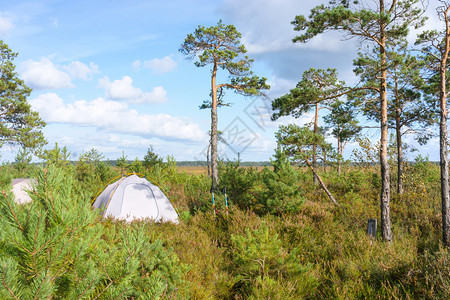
(107, 74)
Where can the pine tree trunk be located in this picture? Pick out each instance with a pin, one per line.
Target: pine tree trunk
(314, 156)
(340, 153)
(319, 179)
(208, 163)
(398, 133)
(399, 156)
(214, 171)
(443, 138)
(385, 184)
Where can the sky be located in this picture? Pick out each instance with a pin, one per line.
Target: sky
(108, 74)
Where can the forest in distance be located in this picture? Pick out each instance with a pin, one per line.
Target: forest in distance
(295, 227)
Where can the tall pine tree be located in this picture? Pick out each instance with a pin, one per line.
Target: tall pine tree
(374, 22)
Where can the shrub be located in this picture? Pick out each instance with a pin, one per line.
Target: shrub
(282, 193)
(54, 247)
(263, 268)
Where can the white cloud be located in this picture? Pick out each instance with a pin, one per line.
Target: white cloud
(270, 29)
(79, 70)
(161, 66)
(137, 65)
(43, 74)
(5, 26)
(115, 117)
(123, 89)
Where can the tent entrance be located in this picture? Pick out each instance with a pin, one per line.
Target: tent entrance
(138, 200)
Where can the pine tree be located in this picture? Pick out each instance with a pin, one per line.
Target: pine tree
(318, 89)
(19, 124)
(375, 22)
(220, 46)
(298, 143)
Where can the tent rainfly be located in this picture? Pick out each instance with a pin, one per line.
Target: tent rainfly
(20, 186)
(134, 197)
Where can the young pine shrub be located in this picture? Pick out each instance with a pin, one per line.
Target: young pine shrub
(282, 193)
(134, 265)
(264, 269)
(53, 248)
(46, 245)
(243, 185)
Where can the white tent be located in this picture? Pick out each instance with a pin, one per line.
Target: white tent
(133, 197)
(20, 186)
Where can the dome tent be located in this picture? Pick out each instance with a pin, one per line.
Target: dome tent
(20, 188)
(134, 197)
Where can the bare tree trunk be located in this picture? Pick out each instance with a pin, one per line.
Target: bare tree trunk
(385, 184)
(319, 179)
(208, 164)
(314, 156)
(214, 171)
(443, 135)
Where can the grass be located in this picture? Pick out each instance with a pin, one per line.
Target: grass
(312, 251)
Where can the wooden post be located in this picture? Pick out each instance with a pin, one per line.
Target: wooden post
(372, 227)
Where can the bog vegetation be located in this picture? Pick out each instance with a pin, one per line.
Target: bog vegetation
(282, 238)
(293, 230)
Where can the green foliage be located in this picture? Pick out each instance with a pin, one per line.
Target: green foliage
(297, 247)
(317, 88)
(282, 193)
(54, 247)
(18, 123)
(57, 156)
(261, 266)
(355, 19)
(242, 185)
(136, 167)
(409, 110)
(220, 45)
(22, 160)
(46, 240)
(122, 162)
(91, 172)
(299, 143)
(343, 122)
(152, 159)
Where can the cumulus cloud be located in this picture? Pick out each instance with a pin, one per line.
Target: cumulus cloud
(270, 29)
(161, 66)
(268, 36)
(123, 89)
(115, 116)
(44, 74)
(5, 26)
(79, 70)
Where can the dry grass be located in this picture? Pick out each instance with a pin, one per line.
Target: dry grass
(193, 170)
(202, 170)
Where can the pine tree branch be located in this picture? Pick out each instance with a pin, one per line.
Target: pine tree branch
(6, 286)
(12, 211)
